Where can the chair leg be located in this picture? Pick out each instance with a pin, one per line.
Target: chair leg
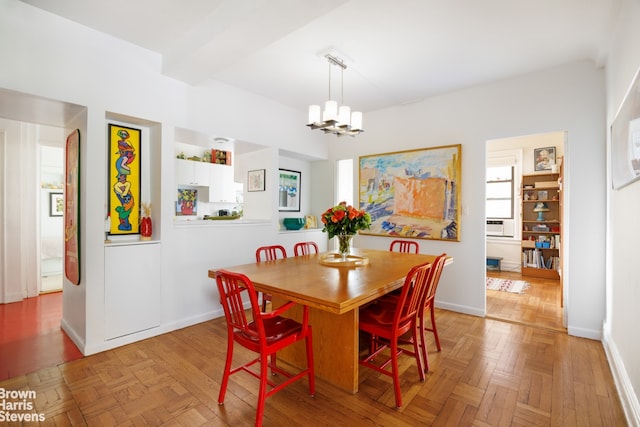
(227, 371)
(423, 342)
(394, 371)
(417, 353)
(262, 392)
(312, 377)
(434, 329)
(274, 363)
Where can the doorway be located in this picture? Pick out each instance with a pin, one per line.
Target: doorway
(51, 237)
(540, 304)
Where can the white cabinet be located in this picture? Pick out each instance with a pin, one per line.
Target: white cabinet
(221, 185)
(189, 172)
(132, 289)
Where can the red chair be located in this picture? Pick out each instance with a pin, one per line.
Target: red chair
(305, 248)
(265, 335)
(429, 299)
(387, 321)
(269, 253)
(408, 246)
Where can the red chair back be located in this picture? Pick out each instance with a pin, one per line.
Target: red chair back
(231, 287)
(434, 279)
(411, 298)
(408, 246)
(305, 248)
(270, 253)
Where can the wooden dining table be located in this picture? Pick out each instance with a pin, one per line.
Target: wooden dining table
(334, 295)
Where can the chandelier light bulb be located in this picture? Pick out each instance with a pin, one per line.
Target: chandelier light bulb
(330, 111)
(356, 120)
(344, 115)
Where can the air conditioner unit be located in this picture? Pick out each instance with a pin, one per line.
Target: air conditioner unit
(495, 227)
(500, 227)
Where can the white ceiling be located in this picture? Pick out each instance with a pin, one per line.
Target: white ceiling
(396, 52)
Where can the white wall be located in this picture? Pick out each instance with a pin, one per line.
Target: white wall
(568, 98)
(623, 287)
(57, 59)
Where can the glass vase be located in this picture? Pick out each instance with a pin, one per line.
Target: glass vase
(344, 244)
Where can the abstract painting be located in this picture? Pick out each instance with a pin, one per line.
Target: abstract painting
(412, 193)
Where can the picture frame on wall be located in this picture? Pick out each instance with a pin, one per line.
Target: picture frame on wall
(289, 190)
(413, 193)
(124, 179)
(255, 180)
(187, 203)
(544, 158)
(72, 208)
(56, 204)
(625, 138)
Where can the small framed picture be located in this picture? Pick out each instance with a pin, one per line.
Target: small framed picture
(187, 203)
(289, 191)
(543, 195)
(544, 158)
(255, 180)
(56, 204)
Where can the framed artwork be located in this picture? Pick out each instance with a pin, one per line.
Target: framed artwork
(412, 193)
(255, 180)
(310, 221)
(187, 203)
(544, 158)
(289, 191)
(56, 204)
(625, 138)
(124, 180)
(71, 208)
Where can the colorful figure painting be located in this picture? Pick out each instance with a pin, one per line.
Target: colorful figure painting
(72, 208)
(124, 180)
(412, 193)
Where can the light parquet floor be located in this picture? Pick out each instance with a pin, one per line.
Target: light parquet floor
(539, 305)
(489, 373)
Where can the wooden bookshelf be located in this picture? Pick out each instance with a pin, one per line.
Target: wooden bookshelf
(541, 231)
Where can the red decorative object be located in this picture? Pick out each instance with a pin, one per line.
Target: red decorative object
(146, 228)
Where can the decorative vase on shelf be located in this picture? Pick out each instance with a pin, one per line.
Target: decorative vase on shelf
(146, 228)
(344, 244)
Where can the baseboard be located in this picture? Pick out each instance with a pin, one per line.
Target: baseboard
(592, 334)
(152, 332)
(628, 398)
(459, 308)
(71, 333)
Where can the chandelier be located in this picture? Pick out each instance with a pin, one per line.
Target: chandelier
(338, 121)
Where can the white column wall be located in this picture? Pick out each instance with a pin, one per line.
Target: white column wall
(623, 287)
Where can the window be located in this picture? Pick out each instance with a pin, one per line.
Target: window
(500, 192)
(345, 181)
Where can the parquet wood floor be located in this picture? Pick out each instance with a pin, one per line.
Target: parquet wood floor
(489, 373)
(539, 305)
